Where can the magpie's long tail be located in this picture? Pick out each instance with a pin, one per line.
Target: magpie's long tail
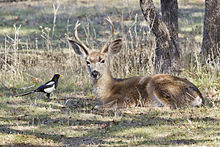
(26, 93)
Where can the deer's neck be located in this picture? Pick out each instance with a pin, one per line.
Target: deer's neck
(104, 85)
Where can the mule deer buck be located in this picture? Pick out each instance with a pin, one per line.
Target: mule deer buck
(154, 91)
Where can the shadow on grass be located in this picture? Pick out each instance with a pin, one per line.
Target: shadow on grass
(24, 145)
(100, 135)
(163, 141)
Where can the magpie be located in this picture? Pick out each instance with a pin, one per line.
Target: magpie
(47, 88)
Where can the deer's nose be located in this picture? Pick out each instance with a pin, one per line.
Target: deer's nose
(95, 74)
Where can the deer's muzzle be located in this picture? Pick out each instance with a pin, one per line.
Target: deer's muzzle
(95, 74)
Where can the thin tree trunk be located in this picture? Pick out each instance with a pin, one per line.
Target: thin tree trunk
(167, 53)
(211, 30)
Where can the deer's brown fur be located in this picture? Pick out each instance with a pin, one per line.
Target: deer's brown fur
(154, 91)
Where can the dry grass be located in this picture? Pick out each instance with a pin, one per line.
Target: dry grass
(33, 51)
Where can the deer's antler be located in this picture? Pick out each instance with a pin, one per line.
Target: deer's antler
(77, 38)
(110, 37)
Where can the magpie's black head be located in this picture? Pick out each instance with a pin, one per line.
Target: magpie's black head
(56, 77)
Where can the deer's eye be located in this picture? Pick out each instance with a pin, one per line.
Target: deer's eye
(102, 61)
(87, 62)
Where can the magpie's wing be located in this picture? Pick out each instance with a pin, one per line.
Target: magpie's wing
(42, 88)
(45, 86)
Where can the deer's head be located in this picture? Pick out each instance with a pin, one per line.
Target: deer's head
(97, 60)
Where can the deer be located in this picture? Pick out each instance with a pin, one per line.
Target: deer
(159, 90)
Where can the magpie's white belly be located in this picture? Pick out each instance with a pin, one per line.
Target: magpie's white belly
(50, 89)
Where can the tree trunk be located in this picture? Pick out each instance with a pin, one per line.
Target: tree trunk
(211, 30)
(169, 10)
(167, 51)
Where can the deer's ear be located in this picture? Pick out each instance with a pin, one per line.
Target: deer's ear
(78, 48)
(115, 46)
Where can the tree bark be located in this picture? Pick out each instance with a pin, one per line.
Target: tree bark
(167, 52)
(169, 10)
(211, 30)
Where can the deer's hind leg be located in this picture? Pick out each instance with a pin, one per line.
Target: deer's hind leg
(164, 100)
(112, 105)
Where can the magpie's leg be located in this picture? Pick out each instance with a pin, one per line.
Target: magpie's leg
(48, 95)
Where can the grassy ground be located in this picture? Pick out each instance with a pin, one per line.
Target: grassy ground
(33, 47)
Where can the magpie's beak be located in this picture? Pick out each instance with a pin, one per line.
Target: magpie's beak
(61, 75)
